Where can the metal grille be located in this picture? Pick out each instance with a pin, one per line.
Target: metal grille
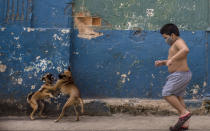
(14, 11)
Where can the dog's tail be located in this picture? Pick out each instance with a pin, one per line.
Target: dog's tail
(81, 104)
(29, 96)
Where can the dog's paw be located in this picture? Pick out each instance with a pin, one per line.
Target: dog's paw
(56, 120)
(42, 116)
(32, 118)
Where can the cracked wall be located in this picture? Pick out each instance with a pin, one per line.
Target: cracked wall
(34, 40)
(148, 14)
(111, 45)
(85, 25)
(131, 43)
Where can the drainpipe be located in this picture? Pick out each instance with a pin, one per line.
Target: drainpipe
(207, 96)
(71, 34)
(208, 29)
(2, 8)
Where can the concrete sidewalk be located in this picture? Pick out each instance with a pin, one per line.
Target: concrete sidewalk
(116, 122)
(105, 107)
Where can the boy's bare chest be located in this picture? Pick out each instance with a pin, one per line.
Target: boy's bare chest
(172, 51)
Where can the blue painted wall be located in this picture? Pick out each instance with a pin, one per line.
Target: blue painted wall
(120, 63)
(208, 60)
(31, 47)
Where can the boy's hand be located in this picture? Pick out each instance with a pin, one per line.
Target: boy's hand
(169, 62)
(159, 63)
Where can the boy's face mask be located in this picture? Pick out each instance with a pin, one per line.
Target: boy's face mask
(169, 41)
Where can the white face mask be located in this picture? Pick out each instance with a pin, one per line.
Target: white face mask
(169, 41)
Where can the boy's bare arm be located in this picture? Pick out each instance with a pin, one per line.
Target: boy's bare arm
(183, 50)
(160, 62)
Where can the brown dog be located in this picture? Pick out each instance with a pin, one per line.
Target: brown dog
(44, 92)
(66, 85)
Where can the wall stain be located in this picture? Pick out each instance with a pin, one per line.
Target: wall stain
(28, 29)
(3, 68)
(19, 81)
(27, 69)
(65, 31)
(83, 24)
(56, 37)
(33, 87)
(3, 29)
(16, 38)
(123, 78)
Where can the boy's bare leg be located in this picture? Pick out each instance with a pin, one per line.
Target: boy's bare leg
(174, 101)
(186, 124)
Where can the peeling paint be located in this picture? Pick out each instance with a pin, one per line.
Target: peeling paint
(150, 12)
(16, 38)
(65, 44)
(18, 46)
(56, 37)
(196, 86)
(33, 87)
(3, 29)
(65, 31)
(204, 84)
(11, 72)
(20, 58)
(123, 78)
(59, 69)
(43, 64)
(28, 29)
(85, 31)
(124, 18)
(19, 80)
(40, 65)
(3, 68)
(27, 69)
(62, 30)
(38, 57)
(136, 62)
(195, 91)
(76, 53)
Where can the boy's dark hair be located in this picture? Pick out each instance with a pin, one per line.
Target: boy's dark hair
(170, 28)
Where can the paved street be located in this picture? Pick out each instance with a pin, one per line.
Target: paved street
(117, 122)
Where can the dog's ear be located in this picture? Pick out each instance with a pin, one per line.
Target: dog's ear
(60, 76)
(69, 68)
(50, 76)
(42, 79)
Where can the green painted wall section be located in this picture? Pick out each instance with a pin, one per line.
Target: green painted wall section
(148, 14)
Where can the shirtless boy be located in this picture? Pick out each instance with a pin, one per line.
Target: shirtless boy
(180, 74)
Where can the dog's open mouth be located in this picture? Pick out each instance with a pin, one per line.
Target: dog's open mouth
(61, 76)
